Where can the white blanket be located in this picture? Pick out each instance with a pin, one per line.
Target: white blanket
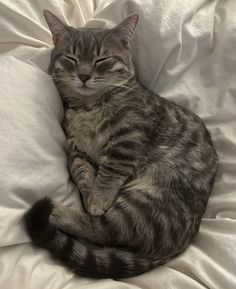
(185, 51)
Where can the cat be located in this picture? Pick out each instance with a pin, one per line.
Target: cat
(144, 165)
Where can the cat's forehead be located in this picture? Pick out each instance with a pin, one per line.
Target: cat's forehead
(87, 42)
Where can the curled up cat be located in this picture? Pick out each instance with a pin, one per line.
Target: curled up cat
(144, 166)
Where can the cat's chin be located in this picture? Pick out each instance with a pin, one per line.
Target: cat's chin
(86, 91)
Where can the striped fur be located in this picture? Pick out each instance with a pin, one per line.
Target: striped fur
(144, 166)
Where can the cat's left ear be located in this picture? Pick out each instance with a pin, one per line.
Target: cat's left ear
(126, 29)
(57, 27)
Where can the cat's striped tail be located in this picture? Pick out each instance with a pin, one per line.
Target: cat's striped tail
(82, 257)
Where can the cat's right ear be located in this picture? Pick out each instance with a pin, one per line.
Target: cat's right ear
(126, 29)
(56, 26)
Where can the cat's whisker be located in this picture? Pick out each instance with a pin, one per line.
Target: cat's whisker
(119, 85)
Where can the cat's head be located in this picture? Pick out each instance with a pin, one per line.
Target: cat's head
(89, 60)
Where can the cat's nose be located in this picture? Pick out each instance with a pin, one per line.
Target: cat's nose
(84, 77)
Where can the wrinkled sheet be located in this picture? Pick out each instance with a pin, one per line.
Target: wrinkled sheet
(185, 51)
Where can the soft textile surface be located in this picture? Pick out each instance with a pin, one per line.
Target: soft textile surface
(183, 50)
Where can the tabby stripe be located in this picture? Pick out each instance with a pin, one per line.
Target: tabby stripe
(122, 131)
(118, 155)
(118, 116)
(120, 170)
(106, 178)
(115, 170)
(74, 48)
(145, 210)
(98, 46)
(113, 230)
(105, 182)
(128, 166)
(122, 113)
(127, 144)
(90, 262)
(103, 126)
(129, 221)
(191, 143)
(118, 264)
(67, 250)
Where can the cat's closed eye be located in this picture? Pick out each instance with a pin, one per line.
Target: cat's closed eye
(72, 59)
(101, 60)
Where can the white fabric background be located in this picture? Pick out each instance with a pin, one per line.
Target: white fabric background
(183, 50)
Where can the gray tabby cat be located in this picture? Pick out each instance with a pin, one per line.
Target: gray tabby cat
(144, 166)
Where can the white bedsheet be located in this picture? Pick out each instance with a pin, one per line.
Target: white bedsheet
(185, 51)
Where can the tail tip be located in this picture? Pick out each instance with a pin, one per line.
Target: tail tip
(36, 220)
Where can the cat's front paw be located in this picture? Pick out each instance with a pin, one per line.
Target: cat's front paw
(98, 204)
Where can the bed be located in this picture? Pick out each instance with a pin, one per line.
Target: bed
(183, 50)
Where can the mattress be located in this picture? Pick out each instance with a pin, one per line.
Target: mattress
(184, 51)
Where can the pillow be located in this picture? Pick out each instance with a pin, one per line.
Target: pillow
(33, 163)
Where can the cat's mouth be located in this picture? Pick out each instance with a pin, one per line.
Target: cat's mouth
(85, 85)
